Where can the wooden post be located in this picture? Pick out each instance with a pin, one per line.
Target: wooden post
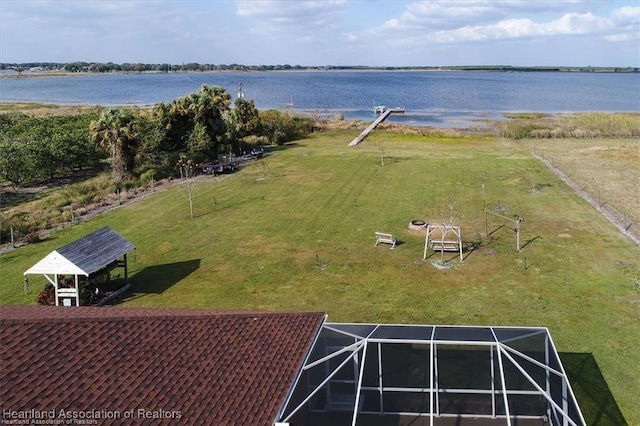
(76, 284)
(517, 223)
(426, 242)
(484, 207)
(126, 270)
(486, 224)
(55, 293)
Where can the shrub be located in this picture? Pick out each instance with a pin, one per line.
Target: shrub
(47, 296)
(147, 177)
(32, 237)
(279, 127)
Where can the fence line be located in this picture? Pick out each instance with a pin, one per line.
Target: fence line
(627, 227)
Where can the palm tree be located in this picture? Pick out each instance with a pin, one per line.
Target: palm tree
(115, 131)
(199, 121)
(244, 119)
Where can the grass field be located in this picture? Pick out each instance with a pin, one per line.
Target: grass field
(295, 231)
(612, 174)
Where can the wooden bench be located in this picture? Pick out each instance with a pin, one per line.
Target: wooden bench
(383, 237)
(446, 245)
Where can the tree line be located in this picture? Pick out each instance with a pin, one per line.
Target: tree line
(140, 143)
(106, 67)
(37, 148)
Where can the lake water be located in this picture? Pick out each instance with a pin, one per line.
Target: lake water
(443, 99)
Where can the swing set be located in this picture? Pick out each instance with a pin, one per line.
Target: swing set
(443, 238)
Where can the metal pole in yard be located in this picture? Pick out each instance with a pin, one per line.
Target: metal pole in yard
(486, 225)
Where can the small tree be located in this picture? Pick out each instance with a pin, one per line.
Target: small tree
(381, 150)
(188, 173)
(17, 163)
(448, 219)
(531, 174)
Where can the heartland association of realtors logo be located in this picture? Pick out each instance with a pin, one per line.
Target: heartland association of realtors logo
(74, 417)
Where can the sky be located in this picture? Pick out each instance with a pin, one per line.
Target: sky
(319, 33)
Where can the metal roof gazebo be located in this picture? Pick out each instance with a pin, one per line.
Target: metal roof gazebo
(360, 374)
(101, 250)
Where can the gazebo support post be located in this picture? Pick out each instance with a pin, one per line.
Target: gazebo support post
(76, 282)
(126, 270)
(55, 288)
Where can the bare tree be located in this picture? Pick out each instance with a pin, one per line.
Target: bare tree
(448, 221)
(381, 150)
(188, 173)
(531, 174)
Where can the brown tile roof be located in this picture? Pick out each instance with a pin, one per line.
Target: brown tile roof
(220, 368)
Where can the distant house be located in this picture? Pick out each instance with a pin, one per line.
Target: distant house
(201, 367)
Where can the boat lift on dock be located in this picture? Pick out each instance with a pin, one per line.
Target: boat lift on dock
(383, 112)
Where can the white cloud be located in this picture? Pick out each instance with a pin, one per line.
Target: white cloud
(555, 31)
(374, 32)
(437, 15)
(462, 21)
(622, 37)
(627, 21)
(569, 24)
(274, 15)
(97, 30)
(442, 14)
(349, 37)
(627, 15)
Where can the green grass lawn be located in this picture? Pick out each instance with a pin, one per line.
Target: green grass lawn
(295, 231)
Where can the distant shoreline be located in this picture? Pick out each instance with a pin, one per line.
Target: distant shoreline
(29, 73)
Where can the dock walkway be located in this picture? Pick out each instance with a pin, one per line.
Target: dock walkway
(373, 125)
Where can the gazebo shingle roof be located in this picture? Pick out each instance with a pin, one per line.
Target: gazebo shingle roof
(223, 368)
(84, 256)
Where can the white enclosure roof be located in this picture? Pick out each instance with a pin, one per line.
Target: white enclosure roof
(84, 256)
(472, 374)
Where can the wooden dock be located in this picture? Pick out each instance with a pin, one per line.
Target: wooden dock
(373, 125)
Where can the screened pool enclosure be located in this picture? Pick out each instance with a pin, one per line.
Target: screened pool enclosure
(368, 374)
